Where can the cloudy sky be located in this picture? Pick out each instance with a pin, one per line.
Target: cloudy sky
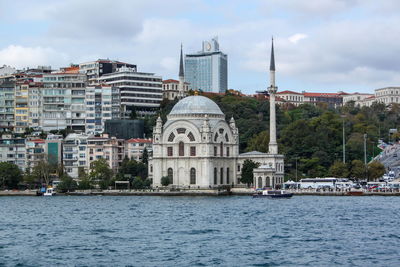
(320, 45)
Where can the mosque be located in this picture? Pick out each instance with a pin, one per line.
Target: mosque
(196, 147)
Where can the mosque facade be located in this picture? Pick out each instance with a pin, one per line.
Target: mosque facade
(198, 148)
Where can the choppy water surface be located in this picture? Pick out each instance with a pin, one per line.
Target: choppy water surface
(199, 231)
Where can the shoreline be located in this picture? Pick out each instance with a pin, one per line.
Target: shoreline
(212, 193)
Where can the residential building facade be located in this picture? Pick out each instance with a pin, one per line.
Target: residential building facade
(141, 92)
(7, 106)
(135, 147)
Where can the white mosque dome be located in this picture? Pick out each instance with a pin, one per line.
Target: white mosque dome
(196, 105)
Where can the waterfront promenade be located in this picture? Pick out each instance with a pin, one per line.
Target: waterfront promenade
(195, 192)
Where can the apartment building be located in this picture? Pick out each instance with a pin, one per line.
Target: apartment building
(171, 89)
(63, 100)
(135, 147)
(291, 97)
(109, 148)
(75, 154)
(139, 91)
(98, 68)
(35, 151)
(7, 106)
(103, 103)
(13, 150)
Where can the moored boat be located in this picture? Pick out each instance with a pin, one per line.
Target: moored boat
(273, 194)
(49, 192)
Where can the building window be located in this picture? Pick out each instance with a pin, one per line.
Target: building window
(227, 151)
(151, 168)
(216, 137)
(238, 168)
(192, 176)
(192, 151)
(215, 176)
(221, 176)
(227, 175)
(191, 137)
(181, 149)
(171, 175)
(221, 149)
(171, 137)
(226, 137)
(215, 151)
(181, 130)
(170, 151)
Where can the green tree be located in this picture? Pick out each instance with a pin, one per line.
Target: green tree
(43, 171)
(165, 181)
(137, 183)
(339, 169)
(85, 183)
(259, 142)
(375, 170)
(247, 171)
(101, 173)
(357, 169)
(67, 184)
(10, 175)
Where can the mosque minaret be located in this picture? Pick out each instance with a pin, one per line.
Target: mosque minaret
(181, 86)
(272, 89)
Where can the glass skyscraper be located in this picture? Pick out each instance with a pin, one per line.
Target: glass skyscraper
(207, 70)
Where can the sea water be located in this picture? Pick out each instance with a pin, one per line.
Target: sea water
(199, 231)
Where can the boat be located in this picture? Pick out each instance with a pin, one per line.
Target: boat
(273, 194)
(355, 193)
(49, 192)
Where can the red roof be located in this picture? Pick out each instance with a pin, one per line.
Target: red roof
(170, 81)
(288, 92)
(323, 94)
(38, 140)
(139, 140)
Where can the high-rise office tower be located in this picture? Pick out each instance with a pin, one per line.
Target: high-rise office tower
(207, 70)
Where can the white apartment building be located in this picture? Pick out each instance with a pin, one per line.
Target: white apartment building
(171, 89)
(35, 151)
(388, 95)
(104, 147)
(291, 97)
(64, 101)
(135, 147)
(356, 97)
(75, 154)
(102, 103)
(13, 150)
(140, 91)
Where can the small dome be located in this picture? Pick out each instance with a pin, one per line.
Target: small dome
(196, 105)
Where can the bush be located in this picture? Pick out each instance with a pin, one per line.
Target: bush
(165, 181)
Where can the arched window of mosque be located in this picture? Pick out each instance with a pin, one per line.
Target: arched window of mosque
(191, 137)
(222, 176)
(221, 130)
(227, 175)
(215, 151)
(221, 149)
(151, 168)
(171, 137)
(181, 130)
(215, 176)
(227, 151)
(267, 182)
(192, 176)
(215, 137)
(226, 137)
(171, 175)
(259, 182)
(181, 149)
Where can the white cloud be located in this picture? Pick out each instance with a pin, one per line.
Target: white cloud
(297, 37)
(20, 57)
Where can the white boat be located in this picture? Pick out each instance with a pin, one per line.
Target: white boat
(273, 194)
(49, 192)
